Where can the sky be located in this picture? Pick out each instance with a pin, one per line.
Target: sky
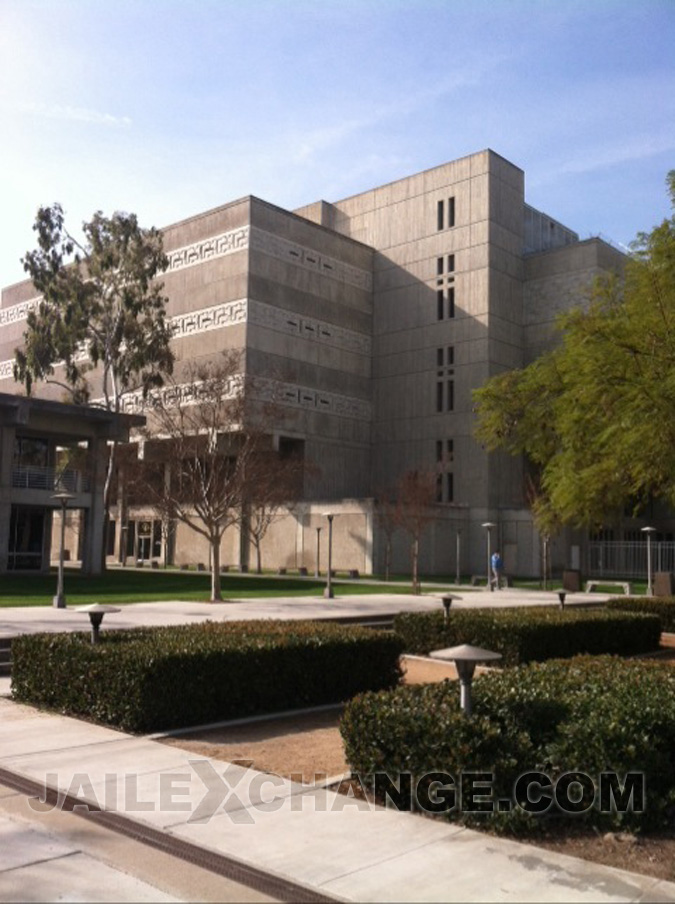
(167, 108)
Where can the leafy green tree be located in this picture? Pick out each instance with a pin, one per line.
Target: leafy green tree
(100, 325)
(595, 416)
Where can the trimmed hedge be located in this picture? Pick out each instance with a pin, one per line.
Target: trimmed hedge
(531, 634)
(584, 714)
(159, 678)
(663, 606)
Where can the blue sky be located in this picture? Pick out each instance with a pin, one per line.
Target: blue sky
(170, 107)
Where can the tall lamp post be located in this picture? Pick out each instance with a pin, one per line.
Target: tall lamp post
(318, 552)
(328, 592)
(488, 525)
(59, 601)
(649, 531)
(458, 549)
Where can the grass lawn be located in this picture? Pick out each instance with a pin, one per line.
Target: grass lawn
(121, 586)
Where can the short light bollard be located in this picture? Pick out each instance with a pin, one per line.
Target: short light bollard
(466, 658)
(96, 611)
(447, 604)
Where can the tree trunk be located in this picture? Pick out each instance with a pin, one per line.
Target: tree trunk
(258, 556)
(216, 592)
(415, 549)
(106, 502)
(387, 558)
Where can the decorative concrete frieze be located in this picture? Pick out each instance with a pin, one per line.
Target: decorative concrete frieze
(215, 317)
(18, 312)
(208, 249)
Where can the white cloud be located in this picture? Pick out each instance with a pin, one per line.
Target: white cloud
(75, 114)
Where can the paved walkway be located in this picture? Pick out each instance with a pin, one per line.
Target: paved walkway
(323, 843)
(31, 619)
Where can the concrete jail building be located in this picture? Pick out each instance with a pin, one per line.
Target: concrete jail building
(376, 316)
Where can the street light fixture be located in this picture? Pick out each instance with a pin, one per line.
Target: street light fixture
(328, 592)
(318, 552)
(465, 658)
(59, 601)
(488, 525)
(649, 531)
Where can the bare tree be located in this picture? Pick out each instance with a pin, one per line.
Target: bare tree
(387, 517)
(196, 451)
(415, 496)
(208, 460)
(273, 481)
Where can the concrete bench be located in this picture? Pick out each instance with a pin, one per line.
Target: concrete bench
(624, 585)
(354, 573)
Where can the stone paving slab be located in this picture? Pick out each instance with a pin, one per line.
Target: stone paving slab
(35, 866)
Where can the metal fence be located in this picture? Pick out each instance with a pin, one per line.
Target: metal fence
(628, 559)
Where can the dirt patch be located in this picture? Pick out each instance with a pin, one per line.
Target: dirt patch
(308, 745)
(311, 746)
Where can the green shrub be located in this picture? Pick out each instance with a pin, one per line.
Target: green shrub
(584, 714)
(531, 634)
(153, 679)
(663, 606)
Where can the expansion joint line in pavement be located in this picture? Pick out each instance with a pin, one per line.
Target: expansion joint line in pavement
(275, 886)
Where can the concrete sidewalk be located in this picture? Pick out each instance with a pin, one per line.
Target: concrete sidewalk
(31, 619)
(336, 846)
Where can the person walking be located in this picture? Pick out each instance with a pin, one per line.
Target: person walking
(497, 568)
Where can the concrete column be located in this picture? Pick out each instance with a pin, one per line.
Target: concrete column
(7, 437)
(93, 552)
(5, 515)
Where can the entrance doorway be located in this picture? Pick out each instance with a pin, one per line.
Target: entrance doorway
(26, 538)
(144, 540)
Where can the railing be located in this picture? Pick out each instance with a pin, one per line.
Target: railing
(33, 477)
(624, 559)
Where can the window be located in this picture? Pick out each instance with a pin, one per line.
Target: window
(439, 266)
(451, 302)
(451, 395)
(439, 396)
(439, 357)
(451, 355)
(451, 263)
(440, 304)
(445, 478)
(440, 214)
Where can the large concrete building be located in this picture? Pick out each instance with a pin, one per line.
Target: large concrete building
(375, 317)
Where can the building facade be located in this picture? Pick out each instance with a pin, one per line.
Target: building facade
(48, 448)
(374, 318)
